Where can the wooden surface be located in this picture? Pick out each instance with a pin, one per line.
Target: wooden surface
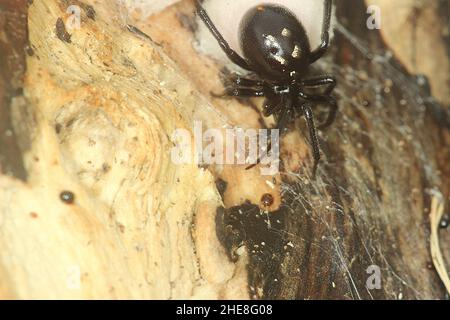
(13, 26)
(99, 122)
(96, 107)
(369, 204)
(418, 34)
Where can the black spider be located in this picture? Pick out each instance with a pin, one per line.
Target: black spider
(277, 50)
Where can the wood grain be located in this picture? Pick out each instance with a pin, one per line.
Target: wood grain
(96, 119)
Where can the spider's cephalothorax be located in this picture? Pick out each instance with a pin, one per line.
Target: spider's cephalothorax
(276, 49)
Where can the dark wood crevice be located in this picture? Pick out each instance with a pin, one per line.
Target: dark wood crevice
(332, 248)
(13, 24)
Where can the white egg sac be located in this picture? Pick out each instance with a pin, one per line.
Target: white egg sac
(227, 16)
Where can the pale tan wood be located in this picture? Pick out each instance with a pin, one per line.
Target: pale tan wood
(412, 29)
(100, 111)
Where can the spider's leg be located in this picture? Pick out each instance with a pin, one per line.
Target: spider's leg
(245, 82)
(232, 55)
(322, 49)
(331, 114)
(244, 92)
(330, 101)
(330, 81)
(313, 135)
(240, 92)
(236, 82)
(284, 115)
(273, 104)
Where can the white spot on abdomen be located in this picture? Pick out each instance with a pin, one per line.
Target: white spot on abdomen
(227, 16)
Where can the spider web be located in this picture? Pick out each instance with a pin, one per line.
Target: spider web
(389, 131)
(387, 136)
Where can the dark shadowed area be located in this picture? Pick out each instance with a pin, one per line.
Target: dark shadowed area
(13, 46)
(385, 154)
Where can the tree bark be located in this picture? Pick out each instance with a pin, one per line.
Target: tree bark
(99, 210)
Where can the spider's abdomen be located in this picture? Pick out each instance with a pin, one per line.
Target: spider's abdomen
(274, 42)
